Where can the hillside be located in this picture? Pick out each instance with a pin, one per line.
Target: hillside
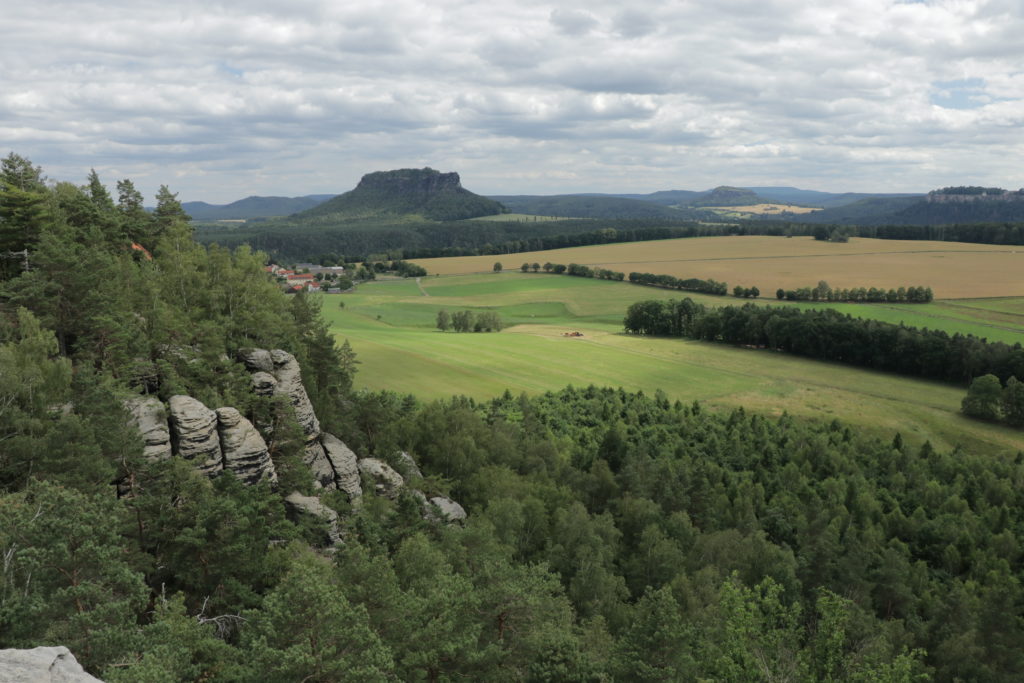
(253, 207)
(727, 196)
(592, 206)
(423, 193)
(949, 206)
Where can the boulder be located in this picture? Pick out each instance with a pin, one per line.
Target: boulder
(298, 505)
(194, 431)
(408, 465)
(386, 482)
(245, 451)
(256, 360)
(42, 665)
(441, 509)
(289, 383)
(344, 463)
(316, 459)
(150, 417)
(263, 383)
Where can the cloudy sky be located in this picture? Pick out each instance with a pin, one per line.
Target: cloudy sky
(220, 100)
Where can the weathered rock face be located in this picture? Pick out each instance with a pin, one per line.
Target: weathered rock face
(344, 463)
(42, 665)
(442, 509)
(289, 383)
(263, 383)
(150, 418)
(316, 459)
(386, 481)
(245, 451)
(257, 360)
(195, 437)
(298, 505)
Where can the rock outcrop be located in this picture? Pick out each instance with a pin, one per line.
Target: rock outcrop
(298, 505)
(150, 418)
(194, 434)
(42, 665)
(441, 509)
(345, 465)
(386, 482)
(316, 460)
(223, 439)
(289, 383)
(244, 450)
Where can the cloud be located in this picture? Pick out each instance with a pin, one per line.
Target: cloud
(235, 98)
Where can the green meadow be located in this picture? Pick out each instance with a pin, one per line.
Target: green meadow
(391, 326)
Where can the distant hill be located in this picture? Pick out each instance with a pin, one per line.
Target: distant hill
(949, 206)
(825, 200)
(592, 206)
(727, 196)
(253, 207)
(423, 193)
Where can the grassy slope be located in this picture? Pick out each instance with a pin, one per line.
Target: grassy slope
(402, 351)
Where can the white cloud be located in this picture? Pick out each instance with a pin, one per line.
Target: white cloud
(234, 98)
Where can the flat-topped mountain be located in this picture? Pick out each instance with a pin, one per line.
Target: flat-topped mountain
(727, 196)
(422, 192)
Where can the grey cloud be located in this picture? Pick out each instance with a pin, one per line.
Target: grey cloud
(573, 22)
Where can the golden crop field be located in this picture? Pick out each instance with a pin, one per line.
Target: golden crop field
(764, 209)
(954, 270)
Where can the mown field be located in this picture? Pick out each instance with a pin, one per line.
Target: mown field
(390, 324)
(953, 270)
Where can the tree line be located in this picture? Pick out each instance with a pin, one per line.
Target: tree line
(823, 292)
(469, 321)
(830, 335)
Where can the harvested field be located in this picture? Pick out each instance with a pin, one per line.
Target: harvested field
(954, 270)
(764, 209)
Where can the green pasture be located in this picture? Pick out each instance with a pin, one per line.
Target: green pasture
(391, 328)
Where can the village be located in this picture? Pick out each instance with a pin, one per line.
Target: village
(310, 277)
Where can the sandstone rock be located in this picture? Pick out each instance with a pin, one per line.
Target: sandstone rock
(256, 359)
(263, 383)
(344, 463)
(443, 509)
(289, 383)
(150, 418)
(316, 459)
(409, 465)
(245, 451)
(298, 504)
(42, 665)
(194, 428)
(386, 481)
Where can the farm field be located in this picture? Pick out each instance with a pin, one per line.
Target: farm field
(953, 270)
(390, 325)
(761, 209)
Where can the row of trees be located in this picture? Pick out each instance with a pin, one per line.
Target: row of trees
(746, 292)
(988, 399)
(823, 292)
(671, 282)
(469, 321)
(830, 335)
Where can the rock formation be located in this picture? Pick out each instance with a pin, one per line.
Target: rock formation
(245, 451)
(194, 432)
(386, 482)
(150, 417)
(345, 465)
(223, 439)
(441, 509)
(42, 665)
(299, 505)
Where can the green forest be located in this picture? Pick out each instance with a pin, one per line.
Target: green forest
(610, 535)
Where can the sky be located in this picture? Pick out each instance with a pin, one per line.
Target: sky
(222, 100)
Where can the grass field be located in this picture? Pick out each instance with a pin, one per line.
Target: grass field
(391, 328)
(516, 218)
(953, 270)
